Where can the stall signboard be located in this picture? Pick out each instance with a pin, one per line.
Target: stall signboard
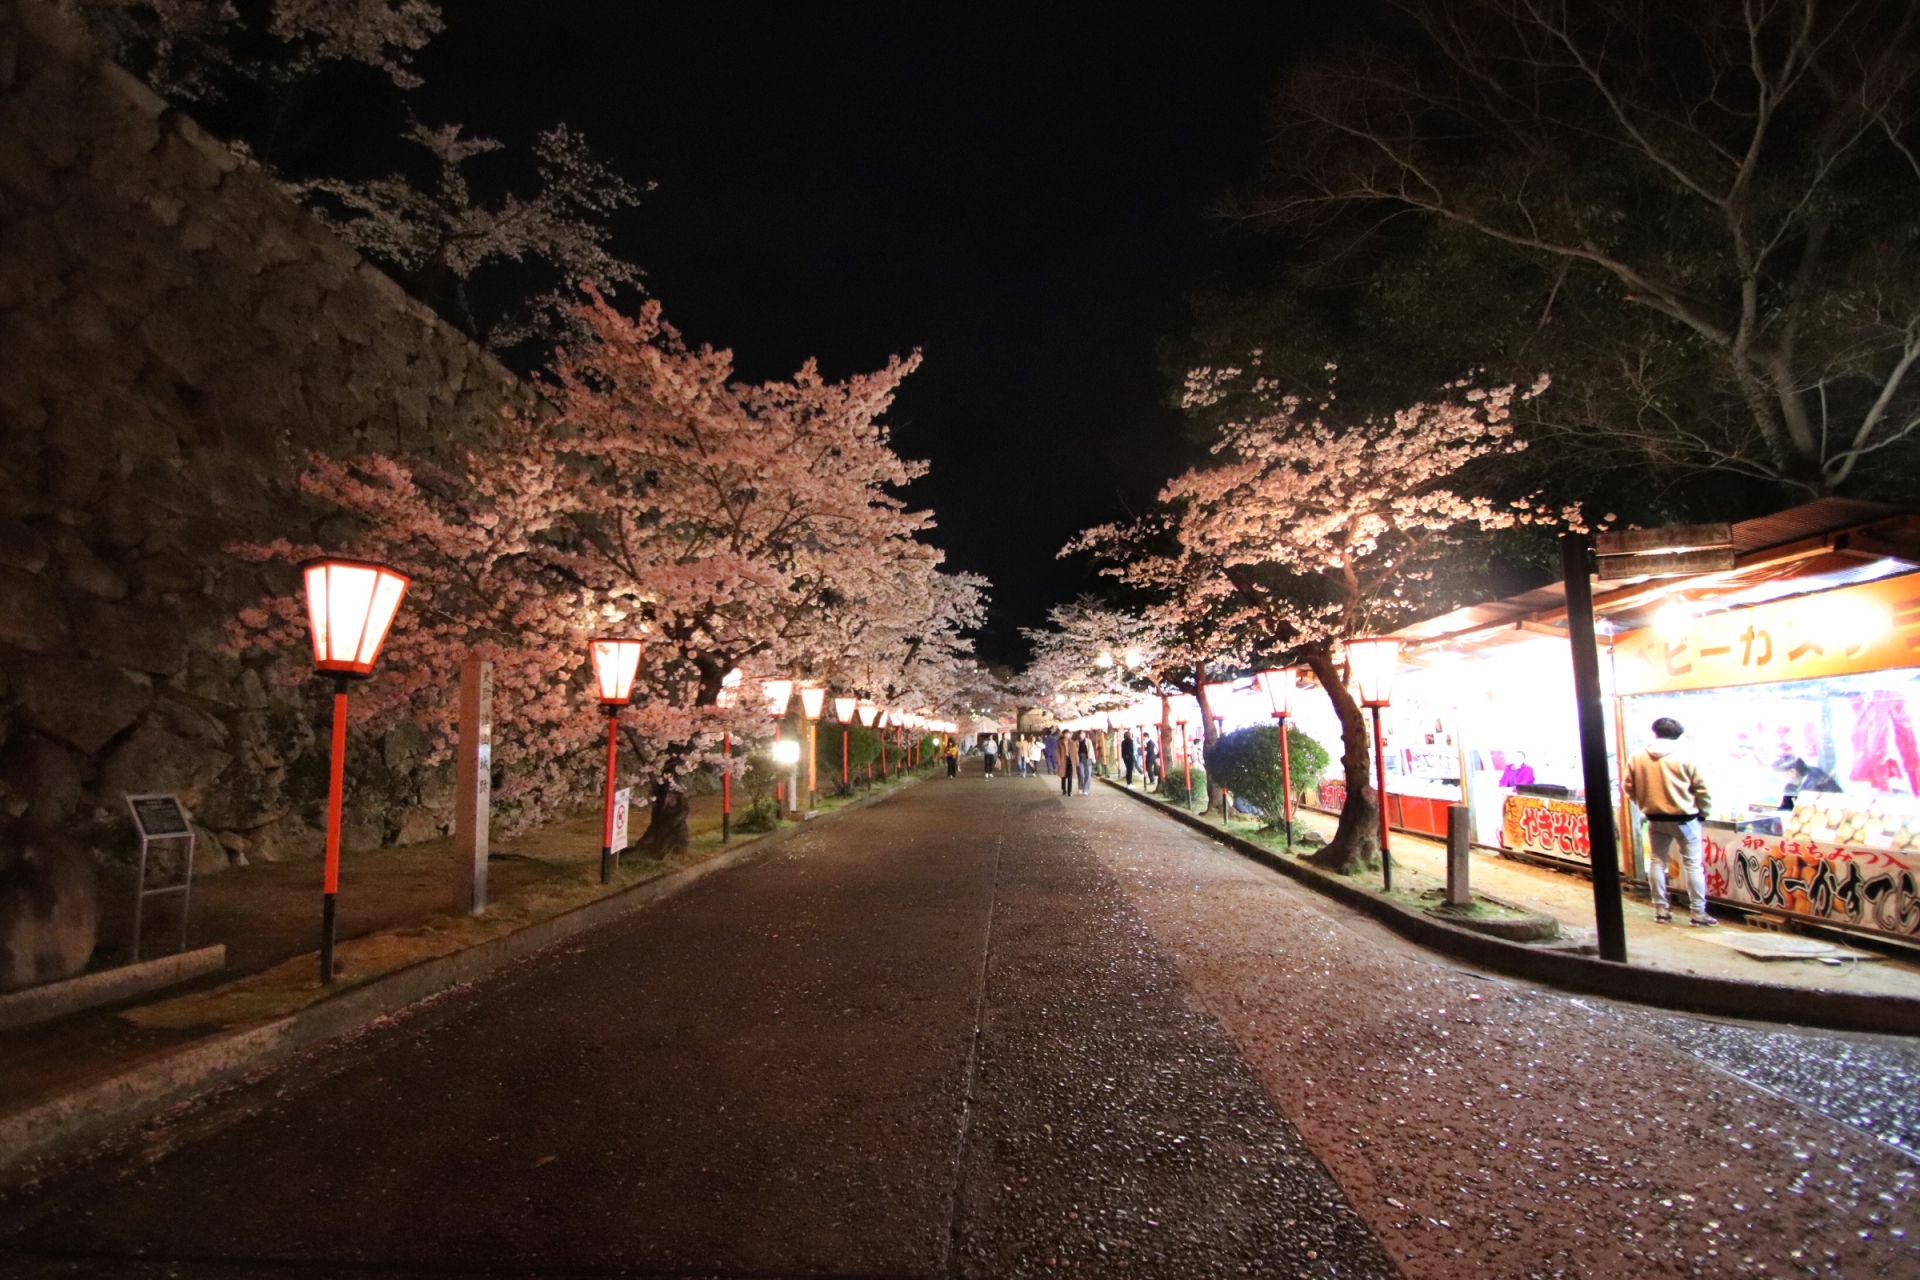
(1872, 889)
(1871, 627)
(1543, 825)
(1333, 795)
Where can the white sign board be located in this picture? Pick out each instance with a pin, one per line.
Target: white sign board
(622, 803)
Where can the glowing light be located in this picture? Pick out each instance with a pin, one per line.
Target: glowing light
(777, 693)
(786, 751)
(614, 665)
(1372, 662)
(350, 605)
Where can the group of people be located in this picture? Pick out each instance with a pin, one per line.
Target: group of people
(1068, 756)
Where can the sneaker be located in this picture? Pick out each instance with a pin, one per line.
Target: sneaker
(1705, 922)
(1662, 916)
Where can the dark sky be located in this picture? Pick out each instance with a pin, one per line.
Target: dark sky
(1022, 196)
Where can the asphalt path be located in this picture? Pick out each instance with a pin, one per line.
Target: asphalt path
(935, 1037)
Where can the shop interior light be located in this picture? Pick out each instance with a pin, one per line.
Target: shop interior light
(350, 605)
(1674, 618)
(1279, 687)
(1372, 661)
(843, 709)
(786, 751)
(614, 664)
(1850, 624)
(777, 693)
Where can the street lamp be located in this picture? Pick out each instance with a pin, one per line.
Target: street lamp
(843, 709)
(614, 665)
(1104, 661)
(1186, 757)
(350, 605)
(726, 699)
(1279, 687)
(813, 700)
(869, 713)
(778, 694)
(1371, 662)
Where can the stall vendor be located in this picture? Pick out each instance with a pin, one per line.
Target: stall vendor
(1518, 772)
(1802, 776)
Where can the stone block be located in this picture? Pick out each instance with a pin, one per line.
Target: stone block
(136, 637)
(362, 830)
(287, 838)
(43, 775)
(154, 760)
(31, 618)
(80, 567)
(22, 547)
(418, 825)
(49, 910)
(82, 702)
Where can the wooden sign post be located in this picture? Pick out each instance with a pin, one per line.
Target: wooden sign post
(473, 788)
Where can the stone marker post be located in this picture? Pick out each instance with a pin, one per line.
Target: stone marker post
(1459, 870)
(473, 790)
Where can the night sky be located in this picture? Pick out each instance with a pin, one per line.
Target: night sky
(1022, 196)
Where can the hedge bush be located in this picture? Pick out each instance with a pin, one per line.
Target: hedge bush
(1247, 763)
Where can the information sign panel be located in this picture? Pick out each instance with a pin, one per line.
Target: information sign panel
(158, 816)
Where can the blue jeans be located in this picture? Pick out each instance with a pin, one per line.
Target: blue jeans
(1684, 838)
(1086, 776)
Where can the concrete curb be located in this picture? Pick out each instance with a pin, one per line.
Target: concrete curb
(66, 1123)
(1720, 997)
(56, 999)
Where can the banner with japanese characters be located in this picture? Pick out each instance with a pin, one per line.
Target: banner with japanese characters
(1871, 627)
(1867, 888)
(1540, 824)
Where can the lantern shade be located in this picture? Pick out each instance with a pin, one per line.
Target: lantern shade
(1279, 687)
(614, 665)
(843, 709)
(1218, 695)
(1371, 662)
(350, 605)
(813, 700)
(777, 693)
(867, 712)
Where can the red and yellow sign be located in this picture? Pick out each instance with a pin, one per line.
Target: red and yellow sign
(1537, 824)
(1872, 627)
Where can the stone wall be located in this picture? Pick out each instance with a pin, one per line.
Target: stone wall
(175, 335)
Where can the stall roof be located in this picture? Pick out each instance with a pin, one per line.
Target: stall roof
(1827, 543)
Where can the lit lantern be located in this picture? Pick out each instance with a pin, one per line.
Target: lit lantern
(1104, 661)
(777, 693)
(787, 752)
(615, 662)
(867, 712)
(1134, 659)
(843, 709)
(1371, 663)
(1279, 689)
(729, 694)
(813, 700)
(727, 698)
(350, 605)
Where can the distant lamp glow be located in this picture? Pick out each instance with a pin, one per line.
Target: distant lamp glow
(1372, 661)
(777, 693)
(350, 605)
(786, 751)
(614, 664)
(1134, 658)
(1104, 661)
(843, 709)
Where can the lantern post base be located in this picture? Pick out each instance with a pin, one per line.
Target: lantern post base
(327, 902)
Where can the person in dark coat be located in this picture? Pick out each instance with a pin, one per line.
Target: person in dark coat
(1127, 758)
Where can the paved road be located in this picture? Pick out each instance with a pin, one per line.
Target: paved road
(933, 1038)
(984, 1031)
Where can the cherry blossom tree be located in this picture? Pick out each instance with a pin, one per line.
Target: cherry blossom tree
(1089, 658)
(439, 236)
(1325, 531)
(733, 525)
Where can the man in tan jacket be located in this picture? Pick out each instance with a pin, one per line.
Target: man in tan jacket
(1666, 784)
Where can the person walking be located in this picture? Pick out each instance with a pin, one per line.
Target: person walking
(1036, 757)
(952, 754)
(1151, 764)
(1127, 759)
(1050, 748)
(988, 746)
(1085, 752)
(1063, 754)
(1666, 784)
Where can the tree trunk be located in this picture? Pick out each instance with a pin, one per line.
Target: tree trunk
(666, 831)
(1355, 846)
(1209, 734)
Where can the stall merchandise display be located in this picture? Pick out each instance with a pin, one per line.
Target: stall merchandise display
(1870, 822)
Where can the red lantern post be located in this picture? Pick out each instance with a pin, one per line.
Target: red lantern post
(1372, 662)
(614, 664)
(350, 606)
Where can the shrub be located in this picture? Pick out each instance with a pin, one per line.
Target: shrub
(1247, 763)
(1173, 784)
(762, 815)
